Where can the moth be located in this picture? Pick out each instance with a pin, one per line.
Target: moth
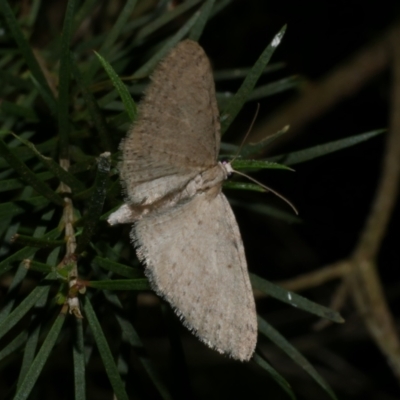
(184, 230)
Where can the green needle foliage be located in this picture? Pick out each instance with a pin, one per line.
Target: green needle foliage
(64, 110)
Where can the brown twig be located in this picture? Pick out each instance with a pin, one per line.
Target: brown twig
(318, 97)
(367, 290)
(317, 278)
(70, 258)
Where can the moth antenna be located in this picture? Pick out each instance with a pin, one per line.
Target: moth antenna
(247, 133)
(267, 188)
(249, 177)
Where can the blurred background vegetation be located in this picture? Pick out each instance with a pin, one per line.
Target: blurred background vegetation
(335, 75)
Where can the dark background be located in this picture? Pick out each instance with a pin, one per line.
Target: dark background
(333, 195)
